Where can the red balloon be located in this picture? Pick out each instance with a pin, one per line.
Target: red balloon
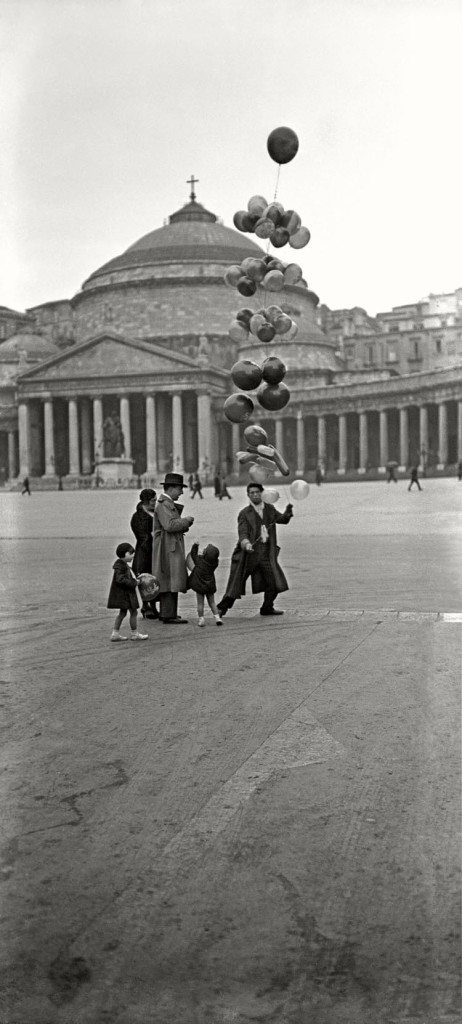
(282, 145)
(255, 435)
(273, 396)
(246, 286)
(273, 370)
(246, 374)
(238, 408)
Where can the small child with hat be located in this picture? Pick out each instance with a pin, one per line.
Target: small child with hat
(202, 580)
(122, 594)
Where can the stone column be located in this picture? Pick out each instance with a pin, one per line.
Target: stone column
(342, 443)
(125, 424)
(300, 444)
(363, 443)
(151, 437)
(459, 430)
(204, 429)
(442, 435)
(403, 438)
(48, 436)
(322, 441)
(177, 433)
(423, 436)
(74, 459)
(24, 439)
(236, 446)
(85, 429)
(383, 424)
(98, 428)
(11, 454)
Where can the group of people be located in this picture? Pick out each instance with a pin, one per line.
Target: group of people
(160, 527)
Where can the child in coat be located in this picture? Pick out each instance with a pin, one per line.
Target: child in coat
(122, 594)
(202, 580)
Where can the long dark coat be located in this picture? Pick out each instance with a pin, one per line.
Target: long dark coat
(122, 593)
(168, 554)
(202, 578)
(243, 563)
(142, 525)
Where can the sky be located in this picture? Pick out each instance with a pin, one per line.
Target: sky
(108, 106)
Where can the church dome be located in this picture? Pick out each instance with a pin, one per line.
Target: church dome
(192, 235)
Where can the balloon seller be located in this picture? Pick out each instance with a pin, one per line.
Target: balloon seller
(256, 552)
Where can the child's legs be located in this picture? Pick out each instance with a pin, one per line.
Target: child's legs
(200, 605)
(133, 620)
(119, 618)
(212, 604)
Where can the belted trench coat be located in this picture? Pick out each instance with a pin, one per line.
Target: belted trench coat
(168, 553)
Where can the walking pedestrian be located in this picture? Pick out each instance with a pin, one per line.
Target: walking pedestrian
(459, 470)
(26, 486)
(224, 493)
(196, 486)
(168, 556)
(414, 478)
(256, 554)
(202, 580)
(318, 475)
(122, 594)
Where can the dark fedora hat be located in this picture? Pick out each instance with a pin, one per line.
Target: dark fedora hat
(173, 480)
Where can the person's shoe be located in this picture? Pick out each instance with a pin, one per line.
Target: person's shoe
(176, 621)
(222, 610)
(139, 636)
(270, 611)
(201, 621)
(218, 621)
(116, 637)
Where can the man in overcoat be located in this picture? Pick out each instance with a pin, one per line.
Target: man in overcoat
(168, 555)
(256, 554)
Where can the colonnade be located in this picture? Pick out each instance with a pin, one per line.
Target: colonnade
(166, 434)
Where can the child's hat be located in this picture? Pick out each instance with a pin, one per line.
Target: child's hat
(121, 549)
(211, 553)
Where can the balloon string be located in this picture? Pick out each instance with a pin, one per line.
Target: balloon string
(277, 183)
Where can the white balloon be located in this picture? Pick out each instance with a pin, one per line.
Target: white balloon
(270, 495)
(299, 490)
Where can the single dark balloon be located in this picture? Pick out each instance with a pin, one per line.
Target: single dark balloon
(244, 315)
(255, 435)
(282, 145)
(246, 286)
(246, 374)
(273, 370)
(238, 408)
(266, 332)
(273, 396)
(279, 237)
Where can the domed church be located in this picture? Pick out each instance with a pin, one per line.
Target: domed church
(128, 379)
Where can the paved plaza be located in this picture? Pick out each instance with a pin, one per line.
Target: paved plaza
(254, 823)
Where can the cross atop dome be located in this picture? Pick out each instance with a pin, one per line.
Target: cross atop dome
(192, 181)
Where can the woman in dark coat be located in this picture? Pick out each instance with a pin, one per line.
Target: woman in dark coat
(141, 523)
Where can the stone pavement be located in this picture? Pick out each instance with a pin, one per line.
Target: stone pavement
(258, 822)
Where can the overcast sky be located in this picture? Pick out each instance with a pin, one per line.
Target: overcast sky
(108, 106)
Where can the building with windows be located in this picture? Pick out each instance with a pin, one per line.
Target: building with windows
(144, 343)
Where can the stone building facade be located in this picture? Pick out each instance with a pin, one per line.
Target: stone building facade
(145, 343)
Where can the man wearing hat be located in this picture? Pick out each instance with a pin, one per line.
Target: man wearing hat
(168, 555)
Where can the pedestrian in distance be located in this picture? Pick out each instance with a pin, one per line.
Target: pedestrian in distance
(459, 470)
(191, 483)
(414, 478)
(25, 486)
(202, 580)
(256, 554)
(217, 484)
(224, 493)
(391, 475)
(318, 475)
(122, 594)
(142, 524)
(196, 486)
(168, 555)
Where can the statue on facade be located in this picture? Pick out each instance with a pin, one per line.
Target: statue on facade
(114, 443)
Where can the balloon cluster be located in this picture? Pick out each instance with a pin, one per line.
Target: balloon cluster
(269, 272)
(260, 457)
(263, 323)
(272, 394)
(271, 220)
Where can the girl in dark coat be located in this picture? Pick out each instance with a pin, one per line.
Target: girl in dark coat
(141, 523)
(122, 594)
(202, 580)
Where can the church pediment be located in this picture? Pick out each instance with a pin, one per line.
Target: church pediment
(110, 356)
